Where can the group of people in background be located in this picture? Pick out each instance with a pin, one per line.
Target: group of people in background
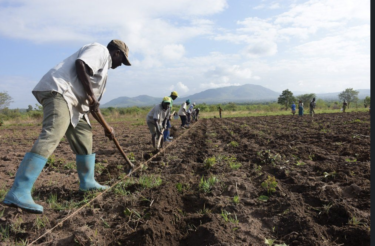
(159, 118)
(312, 107)
(300, 108)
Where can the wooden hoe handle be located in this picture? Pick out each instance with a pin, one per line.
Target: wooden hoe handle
(101, 120)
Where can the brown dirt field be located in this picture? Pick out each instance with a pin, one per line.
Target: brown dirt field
(321, 167)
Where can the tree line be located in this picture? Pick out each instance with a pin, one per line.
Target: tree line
(349, 95)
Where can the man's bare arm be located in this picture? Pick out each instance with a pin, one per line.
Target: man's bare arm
(83, 72)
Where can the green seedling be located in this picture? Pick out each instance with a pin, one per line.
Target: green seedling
(236, 199)
(206, 185)
(300, 163)
(354, 221)
(235, 165)
(204, 210)
(228, 218)
(263, 198)
(331, 174)
(325, 209)
(349, 160)
(131, 157)
(209, 162)
(233, 144)
(269, 184)
(182, 187)
(270, 242)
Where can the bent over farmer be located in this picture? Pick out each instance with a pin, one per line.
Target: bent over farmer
(65, 92)
(166, 136)
(156, 119)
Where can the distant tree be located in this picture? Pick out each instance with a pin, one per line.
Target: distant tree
(349, 95)
(367, 101)
(5, 100)
(321, 104)
(29, 108)
(306, 99)
(286, 99)
(38, 107)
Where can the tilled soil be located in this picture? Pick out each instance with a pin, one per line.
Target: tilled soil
(321, 194)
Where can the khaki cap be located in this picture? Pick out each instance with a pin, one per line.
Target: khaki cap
(124, 48)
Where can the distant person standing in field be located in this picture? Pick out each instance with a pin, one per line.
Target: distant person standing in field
(156, 119)
(220, 111)
(300, 108)
(344, 105)
(293, 108)
(166, 136)
(312, 107)
(65, 93)
(182, 113)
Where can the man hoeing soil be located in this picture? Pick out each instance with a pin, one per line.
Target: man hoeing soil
(65, 92)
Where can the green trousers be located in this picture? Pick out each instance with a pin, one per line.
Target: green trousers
(56, 124)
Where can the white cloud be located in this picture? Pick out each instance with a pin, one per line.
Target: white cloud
(261, 49)
(274, 6)
(180, 88)
(173, 51)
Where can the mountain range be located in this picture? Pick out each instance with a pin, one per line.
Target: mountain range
(237, 94)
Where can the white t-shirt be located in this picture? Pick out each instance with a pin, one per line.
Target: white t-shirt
(191, 109)
(64, 80)
(157, 113)
(181, 112)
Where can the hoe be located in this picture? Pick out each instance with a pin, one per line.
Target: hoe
(99, 117)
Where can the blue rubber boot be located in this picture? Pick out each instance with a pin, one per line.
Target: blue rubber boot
(27, 173)
(86, 171)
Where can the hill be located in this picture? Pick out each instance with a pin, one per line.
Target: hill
(237, 94)
(244, 93)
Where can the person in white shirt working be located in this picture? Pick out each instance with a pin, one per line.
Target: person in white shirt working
(182, 113)
(156, 119)
(65, 92)
(189, 112)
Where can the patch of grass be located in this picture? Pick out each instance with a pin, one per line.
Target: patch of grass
(270, 184)
(99, 168)
(70, 165)
(150, 181)
(52, 201)
(4, 233)
(120, 189)
(206, 185)
(3, 192)
(209, 162)
(16, 226)
(41, 222)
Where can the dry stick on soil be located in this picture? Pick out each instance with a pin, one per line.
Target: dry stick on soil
(102, 193)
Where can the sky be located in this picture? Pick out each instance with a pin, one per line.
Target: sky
(316, 46)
